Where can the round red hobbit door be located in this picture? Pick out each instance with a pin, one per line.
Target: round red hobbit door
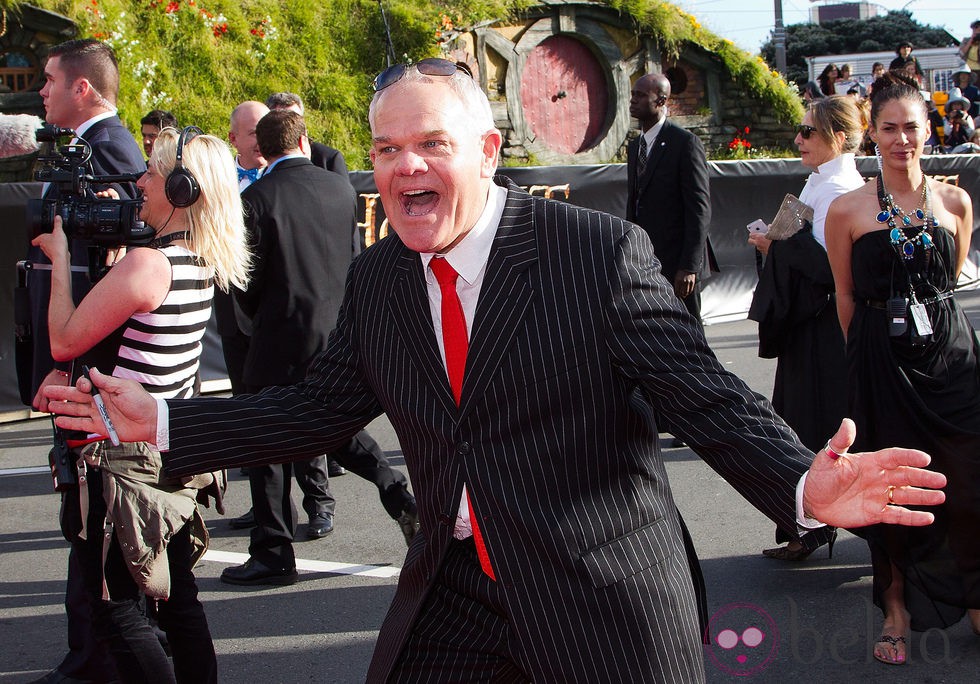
(564, 95)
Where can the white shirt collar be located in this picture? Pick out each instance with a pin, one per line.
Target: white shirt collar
(80, 131)
(652, 133)
(470, 255)
(268, 169)
(829, 169)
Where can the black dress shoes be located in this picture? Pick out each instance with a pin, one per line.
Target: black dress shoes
(255, 572)
(334, 469)
(243, 522)
(320, 526)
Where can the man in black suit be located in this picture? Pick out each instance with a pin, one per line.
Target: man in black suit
(300, 219)
(524, 350)
(82, 82)
(328, 158)
(668, 190)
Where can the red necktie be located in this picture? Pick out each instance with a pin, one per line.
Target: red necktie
(456, 344)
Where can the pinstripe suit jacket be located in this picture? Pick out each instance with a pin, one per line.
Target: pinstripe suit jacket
(578, 352)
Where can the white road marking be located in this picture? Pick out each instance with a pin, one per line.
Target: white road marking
(383, 571)
(25, 471)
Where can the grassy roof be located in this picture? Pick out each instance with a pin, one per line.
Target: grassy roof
(199, 58)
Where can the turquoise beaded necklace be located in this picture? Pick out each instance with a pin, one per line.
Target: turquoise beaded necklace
(890, 214)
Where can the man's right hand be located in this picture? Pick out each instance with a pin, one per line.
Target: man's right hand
(132, 410)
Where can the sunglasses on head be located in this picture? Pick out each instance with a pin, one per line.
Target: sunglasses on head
(432, 66)
(805, 131)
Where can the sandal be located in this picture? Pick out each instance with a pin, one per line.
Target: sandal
(893, 642)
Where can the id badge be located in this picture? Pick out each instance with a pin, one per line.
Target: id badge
(920, 317)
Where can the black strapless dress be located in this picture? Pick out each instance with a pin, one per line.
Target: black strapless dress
(923, 396)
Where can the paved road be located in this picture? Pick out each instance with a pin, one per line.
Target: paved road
(816, 618)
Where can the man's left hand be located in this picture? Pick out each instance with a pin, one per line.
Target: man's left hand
(855, 490)
(684, 283)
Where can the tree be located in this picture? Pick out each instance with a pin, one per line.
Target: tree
(845, 36)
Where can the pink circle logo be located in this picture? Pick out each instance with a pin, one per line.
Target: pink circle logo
(742, 639)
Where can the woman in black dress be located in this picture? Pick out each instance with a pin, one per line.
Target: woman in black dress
(896, 247)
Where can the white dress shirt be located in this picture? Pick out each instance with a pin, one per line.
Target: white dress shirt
(828, 182)
(469, 259)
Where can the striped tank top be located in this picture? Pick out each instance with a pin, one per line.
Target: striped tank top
(162, 349)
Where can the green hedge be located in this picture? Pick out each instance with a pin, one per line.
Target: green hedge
(199, 58)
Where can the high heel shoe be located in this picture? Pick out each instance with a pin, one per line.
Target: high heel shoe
(801, 553)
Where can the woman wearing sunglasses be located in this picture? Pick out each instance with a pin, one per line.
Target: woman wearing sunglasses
(144, 320)
(897, 246)
(794, 302)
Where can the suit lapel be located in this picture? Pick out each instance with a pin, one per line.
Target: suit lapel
(409, 307)
(504, 298)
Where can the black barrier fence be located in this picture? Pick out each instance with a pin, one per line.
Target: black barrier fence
(741, 191)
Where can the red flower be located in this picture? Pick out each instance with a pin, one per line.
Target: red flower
(746, 130)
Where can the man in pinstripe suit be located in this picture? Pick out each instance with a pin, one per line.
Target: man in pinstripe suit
(578, 353)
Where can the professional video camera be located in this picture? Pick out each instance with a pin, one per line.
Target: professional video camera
(105, 222)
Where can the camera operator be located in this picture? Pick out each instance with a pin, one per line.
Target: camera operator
(82, 83)
(958, 128)
(152, 308)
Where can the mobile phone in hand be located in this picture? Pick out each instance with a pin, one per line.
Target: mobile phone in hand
(758, 226)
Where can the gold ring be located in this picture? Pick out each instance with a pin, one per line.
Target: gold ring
(891, 493)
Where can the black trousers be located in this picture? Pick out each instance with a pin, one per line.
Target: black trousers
(119, 623)
(272, 504)
(87, 659)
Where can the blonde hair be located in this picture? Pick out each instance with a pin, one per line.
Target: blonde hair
(838, 113)
(216, 219)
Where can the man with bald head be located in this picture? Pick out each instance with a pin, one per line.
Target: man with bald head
(241, 135)
(668, 190)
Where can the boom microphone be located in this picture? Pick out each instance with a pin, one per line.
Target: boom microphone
(18, 134)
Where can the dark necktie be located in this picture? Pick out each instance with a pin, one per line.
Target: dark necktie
(252, 174)
(456, 343)
(641, 157)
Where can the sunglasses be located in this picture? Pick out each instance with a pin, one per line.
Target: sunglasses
(432, 66)
(805, 131)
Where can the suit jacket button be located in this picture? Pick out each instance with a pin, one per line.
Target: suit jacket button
(444, 519)
(464, 448)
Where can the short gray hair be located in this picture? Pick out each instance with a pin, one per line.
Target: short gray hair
(466, 88)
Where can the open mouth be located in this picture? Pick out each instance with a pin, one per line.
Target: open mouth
(419, 202)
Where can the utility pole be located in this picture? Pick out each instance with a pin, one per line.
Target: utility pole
(779, 38)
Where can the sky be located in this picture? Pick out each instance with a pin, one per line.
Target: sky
(748, 23)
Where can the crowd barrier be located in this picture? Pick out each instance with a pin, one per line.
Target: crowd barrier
(741, 191)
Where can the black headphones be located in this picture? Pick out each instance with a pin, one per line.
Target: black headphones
(181, 187)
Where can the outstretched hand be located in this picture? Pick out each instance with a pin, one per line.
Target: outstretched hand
(132, 410)
(855, 490)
